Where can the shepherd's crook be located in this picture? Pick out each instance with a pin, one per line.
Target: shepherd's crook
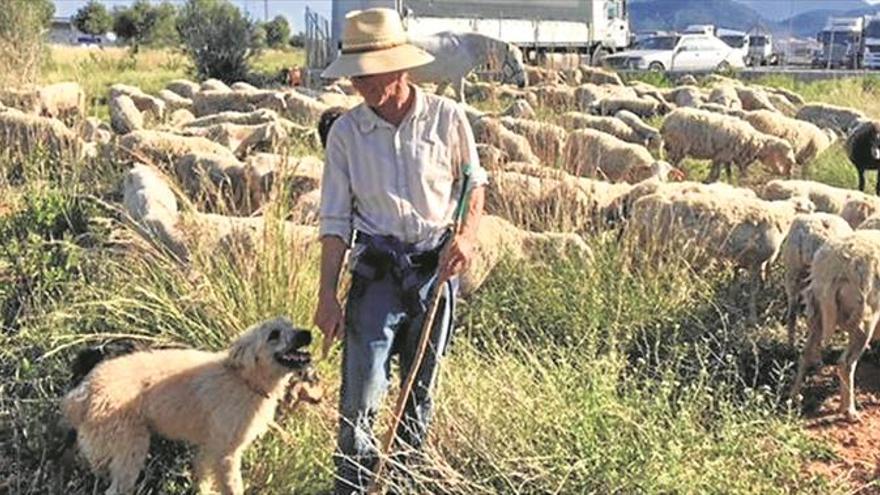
(377, 485)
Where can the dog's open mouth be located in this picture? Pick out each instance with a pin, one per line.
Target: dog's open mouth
(294, 358)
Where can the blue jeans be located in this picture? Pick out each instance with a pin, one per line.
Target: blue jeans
(377, 327)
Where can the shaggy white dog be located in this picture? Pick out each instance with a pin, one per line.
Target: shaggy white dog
(217, 401)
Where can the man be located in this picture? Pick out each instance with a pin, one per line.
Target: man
(392, 177)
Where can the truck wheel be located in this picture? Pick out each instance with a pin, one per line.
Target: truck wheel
(723, 67)
(656, 67)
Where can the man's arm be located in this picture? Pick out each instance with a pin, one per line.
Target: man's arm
(328, 315)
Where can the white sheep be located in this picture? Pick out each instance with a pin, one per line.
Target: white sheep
(807, 140)
(124, 115)
(726, 96)
(211, 102)
(651, 137)
(724, 140)
(643, 107)
(545, 139)
(521, 109)
(24, 134)
(827, 198)
(183, 87)
(488, 130)
(611, 125)
(592, 153)
(152, 107)
(743, 230)
(823, 115)
(174, 101)
(859, 208)
(214, 85)
(806, 235)
(151, 204)
(844, 291)
(165, 148)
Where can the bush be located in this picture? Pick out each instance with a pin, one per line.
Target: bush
(277, 32)
(218, 39)
(93, 18)
(22, 43)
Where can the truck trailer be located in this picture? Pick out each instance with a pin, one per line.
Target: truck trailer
(871, 42)
(592, 28)
(841, 42)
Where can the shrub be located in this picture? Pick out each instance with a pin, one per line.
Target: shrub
(145, 24)
(22, 43)
(93, 18)
(277, 32)
(218, 39)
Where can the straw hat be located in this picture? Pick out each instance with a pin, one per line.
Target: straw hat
(374, 42)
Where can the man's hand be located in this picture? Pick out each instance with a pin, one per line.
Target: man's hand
(458, 257)
(328, 318)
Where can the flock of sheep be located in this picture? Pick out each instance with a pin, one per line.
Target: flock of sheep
(592, 163)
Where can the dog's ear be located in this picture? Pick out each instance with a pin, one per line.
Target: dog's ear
(239, 353)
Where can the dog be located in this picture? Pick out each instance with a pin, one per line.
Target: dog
(219, 402)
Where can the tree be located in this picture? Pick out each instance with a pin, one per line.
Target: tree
(218, 39)
(145, 24)
(298, 40)
(277, 32)
(93, 18)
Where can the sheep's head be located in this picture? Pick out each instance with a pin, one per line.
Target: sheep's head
(778, 154)
(654, 142)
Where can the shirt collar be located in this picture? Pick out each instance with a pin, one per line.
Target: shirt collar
(368, 120)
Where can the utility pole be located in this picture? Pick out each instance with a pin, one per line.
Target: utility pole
(265, 10)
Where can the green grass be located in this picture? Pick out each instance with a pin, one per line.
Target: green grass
(610, 374)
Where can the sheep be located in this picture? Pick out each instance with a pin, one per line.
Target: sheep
(124, 115)
(23, 134)
(174, 101)
(598, 75)
(153, 107)
(232, 184)
(244, 139)
(863, 150)
(490, 131)
(687, 96)
(592, 153)
(828, 199)
(302, 109)
(520, 109)
(93, 130)
(686, 80)
(754, 99)
(859, 208)
(643, 107)
(497, 237)
(724, 140)
(806, 235)
(716, 108)
(480, 91)
(725, 96)
(165, 148)
(555, 96)
(340, 100)
(65, 101)
(180, 118)
(214, 85)
(651, 137)
(256, 117)
(621, 207)
(243, 235)
(586, 95)
(540, 75)
(782, 105)
(243, 87)
(491, 158)
(823, 115)
(611, 125)
(807, 140)
(844, 290)
(545, 139)
(212, 102)
(183, 87)
(298, 174)
(743, 230)
(151, 204)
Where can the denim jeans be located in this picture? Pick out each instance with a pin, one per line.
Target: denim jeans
(377, 327)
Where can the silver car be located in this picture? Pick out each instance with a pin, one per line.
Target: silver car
(686, 52)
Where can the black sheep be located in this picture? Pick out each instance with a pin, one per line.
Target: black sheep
(863, 150)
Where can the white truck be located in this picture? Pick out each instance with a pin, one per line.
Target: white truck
(871, 41)
(841, 43)
(738, 40)
(761, 49)
(592, 28)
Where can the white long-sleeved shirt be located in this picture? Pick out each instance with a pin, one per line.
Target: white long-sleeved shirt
(399, 181)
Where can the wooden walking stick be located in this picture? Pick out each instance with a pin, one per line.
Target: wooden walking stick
(377, 484)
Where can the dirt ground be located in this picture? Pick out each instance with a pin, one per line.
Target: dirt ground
(856, 445)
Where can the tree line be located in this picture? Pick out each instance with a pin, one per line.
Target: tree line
(165, 24)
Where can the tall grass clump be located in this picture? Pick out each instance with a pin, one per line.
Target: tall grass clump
(23, 26)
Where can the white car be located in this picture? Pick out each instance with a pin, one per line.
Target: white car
(686, 52)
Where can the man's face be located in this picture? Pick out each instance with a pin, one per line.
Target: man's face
(378, 89)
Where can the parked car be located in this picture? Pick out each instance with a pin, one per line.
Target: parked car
(686, 52)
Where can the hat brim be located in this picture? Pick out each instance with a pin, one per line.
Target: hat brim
(400, 57)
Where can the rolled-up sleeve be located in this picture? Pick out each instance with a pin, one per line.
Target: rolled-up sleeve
(467, 149)
(336, 196)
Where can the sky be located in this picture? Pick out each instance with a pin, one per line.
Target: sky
(294, 10)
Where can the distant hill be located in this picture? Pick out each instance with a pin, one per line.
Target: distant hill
(810, 23)
(650, 15)
(777, 10)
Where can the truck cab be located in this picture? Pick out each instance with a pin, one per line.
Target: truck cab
(841, 42)
(761, 49)
(738, 40)
(871, 41)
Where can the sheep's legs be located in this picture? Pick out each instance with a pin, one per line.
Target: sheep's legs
(714, 174)
(810, 354)
(877, 188)
(858, 342)
(792, 284)
(754, 287)
(862, 179)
